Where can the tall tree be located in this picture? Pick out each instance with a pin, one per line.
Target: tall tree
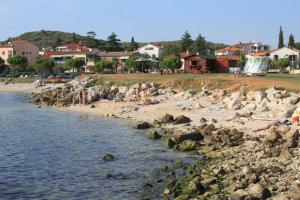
(90, 39)
(186, 41)
(280, 40)
(133, 45)
(201, 45)
(291, 41)
(113, 43)
(91, 34)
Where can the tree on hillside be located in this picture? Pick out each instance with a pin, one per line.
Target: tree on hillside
(113, 43)
(186, 41)
(133, 45)
(200, 45)
(74, 63)
(74, 38)
(18, 62)
(90, 40)
(91, 34)
(172, 63)
(280, 40)
(43, 65)
(291, 41)
(2, 64)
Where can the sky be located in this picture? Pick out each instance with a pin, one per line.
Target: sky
(222, 21)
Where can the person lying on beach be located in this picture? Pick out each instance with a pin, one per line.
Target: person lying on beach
(150, 102)
(274, 123)
(247, 115)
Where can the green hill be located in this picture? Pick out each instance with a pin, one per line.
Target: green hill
(46, 38)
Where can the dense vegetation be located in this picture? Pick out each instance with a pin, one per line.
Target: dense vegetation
(45, 38)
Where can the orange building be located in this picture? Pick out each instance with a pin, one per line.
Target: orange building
(19, 47)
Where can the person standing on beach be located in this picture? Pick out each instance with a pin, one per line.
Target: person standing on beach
(85, 97)
(138, 89)
(80, 97)
(145, 89)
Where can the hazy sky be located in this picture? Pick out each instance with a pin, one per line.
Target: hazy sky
(228, 21)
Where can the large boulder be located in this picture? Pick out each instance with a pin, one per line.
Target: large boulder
(187, 145)
(144, 125)
(167, 118)
(154, 135)
(180, 136)
(181, 120)
(258, 192)
(273, 138)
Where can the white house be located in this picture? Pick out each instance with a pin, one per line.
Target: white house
(153, 50)
(244, 48)
(286, 52)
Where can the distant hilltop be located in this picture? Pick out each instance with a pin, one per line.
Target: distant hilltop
(46, 38)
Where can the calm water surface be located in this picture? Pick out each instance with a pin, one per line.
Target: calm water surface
(50, 154)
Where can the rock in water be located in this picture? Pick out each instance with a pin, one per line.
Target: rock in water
(108, 157)
(154, 135)
(144, 125)
(187, 145)
(181, 120)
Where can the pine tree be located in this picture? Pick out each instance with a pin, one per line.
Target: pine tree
(186, 41)
(201, 45)
(281, 40)
(113, 43)
(291, 41)
(133, 45)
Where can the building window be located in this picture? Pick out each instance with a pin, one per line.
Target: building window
(292, 57)
(195, 63)
(23, 53)
(3, 53)
(275, 57)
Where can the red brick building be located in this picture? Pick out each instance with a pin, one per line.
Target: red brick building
(194, 63)
(223, 63)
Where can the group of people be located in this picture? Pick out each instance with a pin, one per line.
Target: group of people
(141, 88)
(83, 97)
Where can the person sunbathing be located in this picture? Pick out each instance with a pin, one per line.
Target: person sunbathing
(238, 115)
(274, 123)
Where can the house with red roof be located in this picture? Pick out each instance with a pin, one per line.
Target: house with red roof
(152, 50)
(19, 47)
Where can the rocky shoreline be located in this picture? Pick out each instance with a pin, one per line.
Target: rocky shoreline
(234, 162)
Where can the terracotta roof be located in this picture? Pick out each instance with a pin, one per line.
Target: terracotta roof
(5, 46)
(48, 54)
(158, 46)
(186, 55)
(18, 42)
(261, 53)
(71, 46)
(232, 48)
(232, 57)
(117, 54)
